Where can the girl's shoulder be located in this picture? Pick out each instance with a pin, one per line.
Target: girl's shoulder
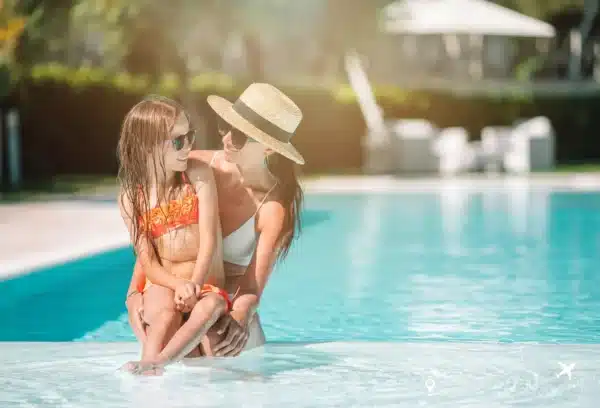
(199, 172)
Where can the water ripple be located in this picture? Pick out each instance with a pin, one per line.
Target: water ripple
(309, 375)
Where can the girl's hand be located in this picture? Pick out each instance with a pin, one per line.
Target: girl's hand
(186, 296)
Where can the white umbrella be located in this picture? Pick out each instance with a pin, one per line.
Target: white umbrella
(477, 17)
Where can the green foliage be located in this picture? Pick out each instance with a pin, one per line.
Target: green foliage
(86, 77)
(527, 68)
(12, 24)
(331, 114)
(106, 22)
(446, 107)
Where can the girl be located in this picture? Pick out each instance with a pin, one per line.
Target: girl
(169, 206)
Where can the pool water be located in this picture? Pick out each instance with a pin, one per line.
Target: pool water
(373, 277)
(338, 374)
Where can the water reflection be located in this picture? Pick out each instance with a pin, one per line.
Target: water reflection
(457, 263)
(453, 208)
(362, 245)
(507, 264)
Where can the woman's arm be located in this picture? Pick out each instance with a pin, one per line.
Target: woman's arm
(145, 255)
(203, 180)
(254, 281)
(235, 325)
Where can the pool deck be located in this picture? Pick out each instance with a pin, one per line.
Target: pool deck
(68, 227)
(64, 230)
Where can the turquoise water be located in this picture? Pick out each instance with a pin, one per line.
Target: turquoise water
(442, 266)
(387, 300)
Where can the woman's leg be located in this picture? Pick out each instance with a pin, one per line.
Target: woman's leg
(256, 335)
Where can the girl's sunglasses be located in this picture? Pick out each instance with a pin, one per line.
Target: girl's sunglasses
(179, 141)
(238, 138)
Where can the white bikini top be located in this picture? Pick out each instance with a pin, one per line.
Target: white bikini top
(239, 246)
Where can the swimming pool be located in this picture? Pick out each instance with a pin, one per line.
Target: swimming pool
(383, 291)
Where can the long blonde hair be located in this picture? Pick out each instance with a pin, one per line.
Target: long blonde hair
(145, 127)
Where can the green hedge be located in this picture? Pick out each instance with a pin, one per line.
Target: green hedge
(82, 78)
(71, 117)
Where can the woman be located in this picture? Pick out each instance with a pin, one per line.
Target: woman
(170, 210)
(259, 207)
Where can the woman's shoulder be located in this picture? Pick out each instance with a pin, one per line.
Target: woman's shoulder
(271, 214)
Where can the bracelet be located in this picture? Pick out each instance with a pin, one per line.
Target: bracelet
(130, 294)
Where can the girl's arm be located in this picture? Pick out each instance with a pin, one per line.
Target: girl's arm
(145, 254)
(137, 278)
(202, 178)
(135, 304)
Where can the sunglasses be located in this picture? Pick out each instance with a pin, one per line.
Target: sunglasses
(180, 141)
(238, 138)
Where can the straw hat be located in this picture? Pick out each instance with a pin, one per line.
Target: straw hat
(265, 114)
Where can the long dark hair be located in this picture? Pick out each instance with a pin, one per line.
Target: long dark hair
(145, 126)
(291, 195)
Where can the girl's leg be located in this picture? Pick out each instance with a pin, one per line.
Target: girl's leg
(162, 319)
(206, 312)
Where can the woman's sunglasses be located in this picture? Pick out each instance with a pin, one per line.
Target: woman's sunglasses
(179, 141)
(238, 138)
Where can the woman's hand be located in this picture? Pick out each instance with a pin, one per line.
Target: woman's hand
(135, 310)
(236, 336)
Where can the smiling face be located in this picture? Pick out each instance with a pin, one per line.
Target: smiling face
(245, 152)
(155, 142)
(179, 144)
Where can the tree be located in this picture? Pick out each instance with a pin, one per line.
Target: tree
(12, 25)
(348, 24)
(540, 9)
(45, 33)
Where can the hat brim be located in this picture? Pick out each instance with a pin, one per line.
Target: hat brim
(224, 109)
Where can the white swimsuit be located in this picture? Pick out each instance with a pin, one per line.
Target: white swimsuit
(239, 246)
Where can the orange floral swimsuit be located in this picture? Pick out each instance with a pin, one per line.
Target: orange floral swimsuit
(168, 217)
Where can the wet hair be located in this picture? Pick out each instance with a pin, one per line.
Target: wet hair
(148, 124)
(291, 195)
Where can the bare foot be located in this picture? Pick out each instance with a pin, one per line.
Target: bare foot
(130, 366)
(143, 368)
(149, 369)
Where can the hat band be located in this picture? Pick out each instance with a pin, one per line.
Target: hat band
(260, 122)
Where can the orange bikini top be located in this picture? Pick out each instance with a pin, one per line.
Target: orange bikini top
(173, 215)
